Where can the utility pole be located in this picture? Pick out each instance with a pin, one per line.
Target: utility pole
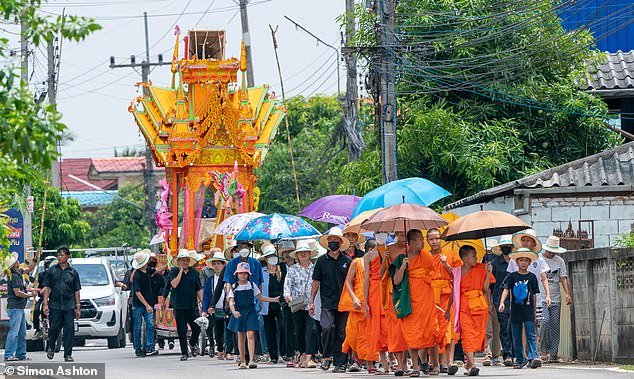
(148, 174)
(246, 37)
(387, 91)
(24, 51)
(350, 108)
(52, 99)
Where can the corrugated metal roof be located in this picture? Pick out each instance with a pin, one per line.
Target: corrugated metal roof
(613, 167)
(616, 72)
(91, 198)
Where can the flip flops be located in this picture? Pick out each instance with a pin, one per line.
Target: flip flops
(414, 374)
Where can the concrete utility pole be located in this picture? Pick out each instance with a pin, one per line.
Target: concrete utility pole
(52, 99)
(148, 174)
(247, 42)
(24, 51)
(387, 91)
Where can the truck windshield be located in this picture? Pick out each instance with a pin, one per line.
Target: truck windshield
(92, 274)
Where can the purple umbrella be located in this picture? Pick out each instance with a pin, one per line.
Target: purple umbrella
(334, 209)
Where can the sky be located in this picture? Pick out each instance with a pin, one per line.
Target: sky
(93, 98)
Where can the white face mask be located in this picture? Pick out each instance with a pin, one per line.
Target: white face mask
(272, 261)
(244, 253)
(236, 254)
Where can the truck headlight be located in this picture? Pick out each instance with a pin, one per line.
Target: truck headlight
(102, 301)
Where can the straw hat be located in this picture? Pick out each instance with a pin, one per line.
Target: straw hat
(360, 237)
(183, 253)
(243, 267)
(140, 259)
(198, 257)
(335, 232)
(286, 246)
(552, 245)
(10, 260)
(523, 253)
(303, 245)
(517, 239)
(228, 255)
(507, 240)
(316, 247)
(218, 256)
(267, 250)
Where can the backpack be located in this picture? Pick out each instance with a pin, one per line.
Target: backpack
(520, 292)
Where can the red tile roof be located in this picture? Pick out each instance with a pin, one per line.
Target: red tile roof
(79, 167)
(120, 164)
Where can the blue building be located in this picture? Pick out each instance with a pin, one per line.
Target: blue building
(611, 22)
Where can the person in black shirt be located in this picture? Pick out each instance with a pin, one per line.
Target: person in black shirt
(143, 304)
(37, 312)
(500, 264)
(15, 346)
(328, 277)
(186, 293)
(61, 299)
(523, 287)
(273, 286)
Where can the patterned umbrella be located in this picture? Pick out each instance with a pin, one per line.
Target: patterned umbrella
(232, 225)
(276, 226)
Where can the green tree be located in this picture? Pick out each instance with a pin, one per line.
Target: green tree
(28, 131)
(487, 93)
(119, 222)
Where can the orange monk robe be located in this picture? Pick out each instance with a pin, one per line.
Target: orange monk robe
(357, 325)
(441, 282)
(395, 338)
(377, 325)
(473, 309)
(421, 326)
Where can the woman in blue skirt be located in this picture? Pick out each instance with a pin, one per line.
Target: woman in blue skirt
(244, 319)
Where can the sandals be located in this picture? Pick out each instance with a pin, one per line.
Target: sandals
(253, 365)
(452, 370)
(242, 366)
(474, 371)
(399, 372)
(310, 364)
(434, 371)
(414, 374)
(381, 371)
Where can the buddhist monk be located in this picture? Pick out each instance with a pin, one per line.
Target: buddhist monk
(414, 300)
(374, 312)
(352, 301)
(441, 282)
(471, 301)
(396, 343)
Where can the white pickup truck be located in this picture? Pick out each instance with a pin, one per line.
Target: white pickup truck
(103, 305)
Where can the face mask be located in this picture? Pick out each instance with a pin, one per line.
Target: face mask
(506, 249)
(236, 254)
(152, 264)
(272, 261)
(333, 245)
(244, 253)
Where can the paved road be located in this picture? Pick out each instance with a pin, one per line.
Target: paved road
(121, 363)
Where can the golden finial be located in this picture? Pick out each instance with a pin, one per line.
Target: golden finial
(243, 58)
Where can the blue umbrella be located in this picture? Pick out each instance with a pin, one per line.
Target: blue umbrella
(415, 191)
(276, 226)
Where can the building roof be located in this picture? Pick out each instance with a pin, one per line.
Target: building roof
(120, 165)
(616, 72)
(79, 168)
(614, 167)
(89, 199)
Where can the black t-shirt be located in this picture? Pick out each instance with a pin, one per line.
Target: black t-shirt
(158, 283)
(185, 295)
(16, 282)
(331, 274)
(143, 285)
(63, 284)
(275, 289)
(499, 266)
(523, 288)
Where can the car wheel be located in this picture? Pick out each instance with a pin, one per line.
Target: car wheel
(117, 341)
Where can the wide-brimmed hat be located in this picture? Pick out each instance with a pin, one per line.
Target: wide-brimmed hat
(552, 245)
(243, 267)
(198, 257)
(336, 232)
(523, 253)
(267, 250)
(285, 246)
(317, 248)
(303, 245)
(183, 253)
(227, 252)
(218, 256)
(10, 260)
(505, 240)
(517, 239)
(360, 237)
(140, 259)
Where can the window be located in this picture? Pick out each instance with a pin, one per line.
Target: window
(92, 274)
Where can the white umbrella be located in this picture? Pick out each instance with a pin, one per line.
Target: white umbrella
(232, 225)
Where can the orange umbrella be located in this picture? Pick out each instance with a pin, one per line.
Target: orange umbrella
(354, 226)
(456, 245)
(403, 217)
